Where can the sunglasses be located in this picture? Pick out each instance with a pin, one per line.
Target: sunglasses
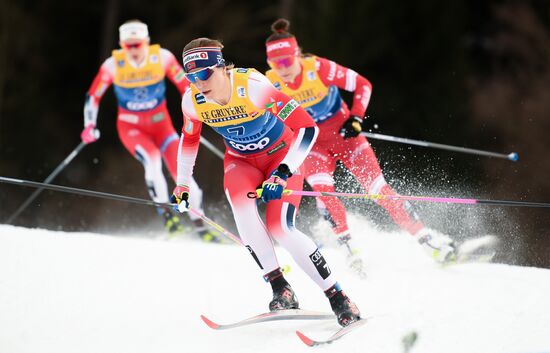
(202, 75)
(283, 63)
(132, 45)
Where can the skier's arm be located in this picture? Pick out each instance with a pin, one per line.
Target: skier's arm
(262, 94)
(100, 84)
(332, 73)
(189, 141)
(174, 71)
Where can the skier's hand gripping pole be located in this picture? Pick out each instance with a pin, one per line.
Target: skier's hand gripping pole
(259, 192)
(180, 196)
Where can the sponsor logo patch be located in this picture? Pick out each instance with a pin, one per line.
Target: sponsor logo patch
(273, 106)
(190, 66)
(254, 256)
(157, 117)
(142, 105)
(179, 77)
(220, 60)
(100, 90)
(188, 126)
(241, 91)
(288, 109)
(195, 56)
(276, 46)
(320, 264)
(129, 118)
(199, 98)
(253, 146)
(276, 148)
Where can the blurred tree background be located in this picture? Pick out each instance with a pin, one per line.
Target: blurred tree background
(468, 73)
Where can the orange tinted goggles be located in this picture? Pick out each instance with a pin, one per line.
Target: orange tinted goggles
(132, 45)
(282, 63)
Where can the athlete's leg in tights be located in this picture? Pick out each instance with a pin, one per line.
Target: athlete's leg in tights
(241, 178)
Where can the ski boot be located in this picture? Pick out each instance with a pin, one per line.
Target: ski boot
(440, 247)
(209, 236)
(283, 295)
(345, 310)
(172, 223)
(206, 234)
(354, 260)
(284, 299)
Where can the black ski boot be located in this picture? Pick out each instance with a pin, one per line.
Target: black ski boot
(345, 310)
(283, 295)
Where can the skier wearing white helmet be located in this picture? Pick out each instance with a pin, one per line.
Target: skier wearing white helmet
(137, 71)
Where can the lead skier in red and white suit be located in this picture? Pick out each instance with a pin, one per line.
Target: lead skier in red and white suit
(267, 137)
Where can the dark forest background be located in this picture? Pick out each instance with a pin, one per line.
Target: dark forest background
(468, 73)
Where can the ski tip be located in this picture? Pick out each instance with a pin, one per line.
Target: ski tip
(209, 322)
(308, 341)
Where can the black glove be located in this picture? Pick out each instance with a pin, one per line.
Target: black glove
(352, 127)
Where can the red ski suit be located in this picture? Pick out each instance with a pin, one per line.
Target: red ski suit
(316, 89)
(262, 128)
(143, 123)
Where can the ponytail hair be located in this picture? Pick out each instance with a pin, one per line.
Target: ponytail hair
(280, 30)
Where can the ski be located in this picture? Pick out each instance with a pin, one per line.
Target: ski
(293, 314)
(480, 249)
(337, 335)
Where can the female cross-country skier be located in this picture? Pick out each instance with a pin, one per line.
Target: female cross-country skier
(267, 136)
(144, 126)
(314, 82)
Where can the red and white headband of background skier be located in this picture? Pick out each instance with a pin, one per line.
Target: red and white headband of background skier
(282, 47)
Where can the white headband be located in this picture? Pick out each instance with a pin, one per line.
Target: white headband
(133, 30)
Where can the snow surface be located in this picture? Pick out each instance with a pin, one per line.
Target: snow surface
(82, 292)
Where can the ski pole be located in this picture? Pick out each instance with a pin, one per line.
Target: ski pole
(376, 197)
(50, 177)
(211, 147)
(105, 195)
(217, 227)
(513, 156)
